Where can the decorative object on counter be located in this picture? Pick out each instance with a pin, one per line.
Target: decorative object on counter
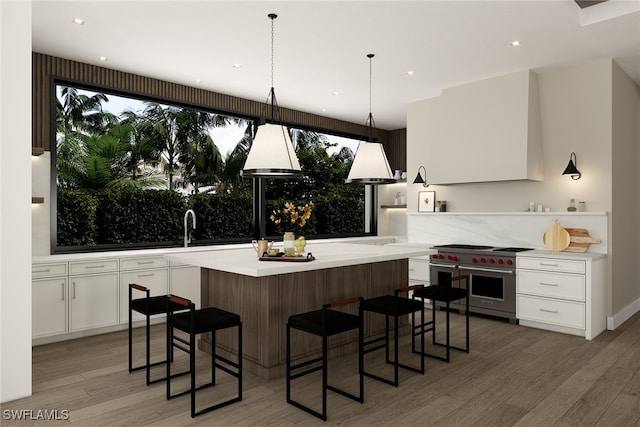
(403, 176)
(370, 164)
(579, 240)
(275, 252)
(398, 174)
(419, 179)
(398, 200)
(290, 217)
(540, 208)
(300, 243)
(272, 154)
(582, 206)
(426, 201)
(262, 246)
(556, 238)
(571, 168)
(572, 205)
(532, 206)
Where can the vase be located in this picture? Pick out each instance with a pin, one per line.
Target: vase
(300, 243)
(289, 243)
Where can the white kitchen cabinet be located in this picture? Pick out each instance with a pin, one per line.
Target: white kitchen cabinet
(93, 301)
(185, 282)
(419, 271)
(562, 292)
(49, 295)
(156, 279)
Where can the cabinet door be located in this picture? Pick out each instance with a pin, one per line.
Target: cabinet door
(157, 280)
(93, 301)
(185, 282)
(49, 307)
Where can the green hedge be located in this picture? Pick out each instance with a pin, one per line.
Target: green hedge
(129, 215)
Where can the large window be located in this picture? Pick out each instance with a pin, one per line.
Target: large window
(127, 169)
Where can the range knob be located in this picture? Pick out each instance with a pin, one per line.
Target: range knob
(492, 261)
(455, 258)
(474, 260)
(500, 261)
(449, 257)
(509, 262)
(434, 256)
(440, 256)
(483, 260)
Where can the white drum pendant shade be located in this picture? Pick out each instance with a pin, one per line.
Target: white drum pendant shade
(370, 165)
(272, 154)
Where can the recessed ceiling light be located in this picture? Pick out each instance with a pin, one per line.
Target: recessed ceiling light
(237, 65)
(103, 58)
(410, 73)
(198, 80)
(515, 43)
(324, 110)
(78, 21)
(336, 93)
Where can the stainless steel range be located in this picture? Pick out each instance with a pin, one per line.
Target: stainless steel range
(492, 276)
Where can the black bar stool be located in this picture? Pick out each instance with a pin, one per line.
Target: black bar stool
(324, 323)
(392, 306)
(148, 306)
(446, 294)
(195, 322)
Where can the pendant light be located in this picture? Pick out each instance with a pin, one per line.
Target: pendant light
(272, 154)
(370, 164)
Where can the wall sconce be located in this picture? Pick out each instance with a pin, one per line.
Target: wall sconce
(571, 168)
(419, 179)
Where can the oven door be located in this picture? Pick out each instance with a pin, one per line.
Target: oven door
(491, 289)
(441, 273)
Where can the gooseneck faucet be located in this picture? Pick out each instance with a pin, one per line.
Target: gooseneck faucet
(187, 237)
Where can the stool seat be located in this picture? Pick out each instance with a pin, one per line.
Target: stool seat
(205, 320)
(441, 293)
(335, 322)
(391, 305)
(156, 305)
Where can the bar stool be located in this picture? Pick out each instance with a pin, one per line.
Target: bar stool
(446, 294)
(324, 323)
(148, 306)
(392, 306)
(195, 322)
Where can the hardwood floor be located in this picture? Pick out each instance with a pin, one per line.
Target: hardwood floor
(514, 376)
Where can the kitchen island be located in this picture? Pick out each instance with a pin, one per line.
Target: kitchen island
(266, 293)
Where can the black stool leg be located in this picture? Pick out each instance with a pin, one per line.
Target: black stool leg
(148, 344)
(130, 332)
(288, 363)
(192, 368)
(324, 378)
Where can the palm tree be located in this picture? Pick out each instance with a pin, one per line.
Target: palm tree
(78, 112)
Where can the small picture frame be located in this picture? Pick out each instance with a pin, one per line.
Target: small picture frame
(426, 201)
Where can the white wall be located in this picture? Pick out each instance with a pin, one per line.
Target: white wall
(15, 200)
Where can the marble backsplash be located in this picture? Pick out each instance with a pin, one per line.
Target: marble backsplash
(520, 229)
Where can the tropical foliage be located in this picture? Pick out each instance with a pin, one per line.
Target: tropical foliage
(127, 178)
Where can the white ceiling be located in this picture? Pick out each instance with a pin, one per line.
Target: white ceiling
(321, 46)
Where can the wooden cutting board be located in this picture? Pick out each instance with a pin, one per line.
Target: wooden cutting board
(556, 238)
(579, 240)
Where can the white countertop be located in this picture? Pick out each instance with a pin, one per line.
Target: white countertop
(581, 256)
(328, 255)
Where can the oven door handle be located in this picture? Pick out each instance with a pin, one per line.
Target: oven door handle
(488, 270)
(444, 265)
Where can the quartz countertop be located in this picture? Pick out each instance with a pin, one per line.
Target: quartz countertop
(580, 256)
(328, 255)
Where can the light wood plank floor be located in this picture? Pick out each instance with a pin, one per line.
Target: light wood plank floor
(513, 376)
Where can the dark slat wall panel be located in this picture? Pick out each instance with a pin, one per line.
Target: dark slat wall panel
(45, 67)
(396, 149)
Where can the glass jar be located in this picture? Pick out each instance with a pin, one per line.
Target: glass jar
(289, 243)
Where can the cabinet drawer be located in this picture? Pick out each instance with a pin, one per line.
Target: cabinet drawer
(90, 267)
(556, 312)
(555, 285)
(419, 269)
(48, 270)
(140, 263)
(551, 264)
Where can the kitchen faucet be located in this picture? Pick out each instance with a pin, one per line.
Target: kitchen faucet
(187, 236)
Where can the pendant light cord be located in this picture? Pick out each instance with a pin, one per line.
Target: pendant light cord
(273, 16)
(370, 118)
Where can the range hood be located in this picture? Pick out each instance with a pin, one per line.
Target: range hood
(480, 132)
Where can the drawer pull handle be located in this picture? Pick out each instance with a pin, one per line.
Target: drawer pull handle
(549, 284)
(146, 275)
(94, 266)
(145, 262)
(482, 301)
(62, 286)
(548, 265)
(42, 271)
(74, 289)
(549, 311)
